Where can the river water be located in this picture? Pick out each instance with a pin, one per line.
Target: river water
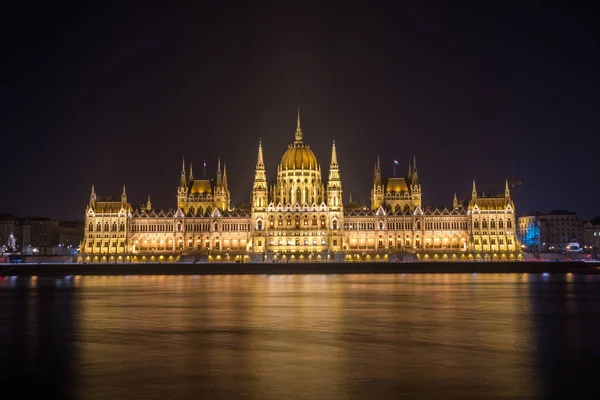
(428, 336)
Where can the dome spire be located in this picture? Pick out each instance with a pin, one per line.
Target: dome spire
(298, 129)
(333, 154)
(260, 154)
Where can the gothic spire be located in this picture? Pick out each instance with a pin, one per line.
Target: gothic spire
(507, 191)
(124, 195)
(148, 204)
(298, 129)
(455, 201)
(260, 161)
(377, 174)
(191, 173)
(414, 176)
(182, 182)
(333, 155)
(219, 177)
(93, 196)
(474, 192)
(225, 175)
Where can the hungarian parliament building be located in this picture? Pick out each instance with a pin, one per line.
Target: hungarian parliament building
(300, 218)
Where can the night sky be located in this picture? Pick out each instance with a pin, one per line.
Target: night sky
(118, 94)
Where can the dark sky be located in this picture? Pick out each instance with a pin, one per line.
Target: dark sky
(113, 94)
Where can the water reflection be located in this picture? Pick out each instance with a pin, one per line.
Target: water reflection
(37, 337)
(301, 336)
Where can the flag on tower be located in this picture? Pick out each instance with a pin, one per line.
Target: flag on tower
(395, 161)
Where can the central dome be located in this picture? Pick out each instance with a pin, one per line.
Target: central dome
(299, 156)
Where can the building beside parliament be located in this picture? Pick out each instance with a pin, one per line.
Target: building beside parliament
(300, 217)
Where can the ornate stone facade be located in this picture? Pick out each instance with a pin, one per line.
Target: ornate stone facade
(300, 218)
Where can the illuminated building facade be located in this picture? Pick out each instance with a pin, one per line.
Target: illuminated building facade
(550, 232)
(300, 218)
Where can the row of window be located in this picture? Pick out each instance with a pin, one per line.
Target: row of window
(493, 241)
(484, 224)
(105, 244)
(297, 242)
(360, 226)
(152, 228)
(107, 227)
(446, 225)
(296, 233)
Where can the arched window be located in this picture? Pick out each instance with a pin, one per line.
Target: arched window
(484, 224)
(259, 225)
(114, 227)
(500, 224)
(216, 227)
(418, 224)
(122, 227)
(106, 227)
(334, 224)
(493, 224)
(476, 224)
(91, 227)
(509, 224)
(178, 227)
(380, 226)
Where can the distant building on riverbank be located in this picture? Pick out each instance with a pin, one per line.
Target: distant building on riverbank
(40, 235)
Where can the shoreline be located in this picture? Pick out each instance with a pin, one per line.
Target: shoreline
(296, 268)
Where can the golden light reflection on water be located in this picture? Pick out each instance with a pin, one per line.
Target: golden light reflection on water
(298, 336)
(316, 336)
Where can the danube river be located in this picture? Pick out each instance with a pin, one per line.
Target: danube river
(428, 336)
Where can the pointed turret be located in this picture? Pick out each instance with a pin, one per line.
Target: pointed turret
(377, 173)
(219, 177)
(409, 176)
(183, 181)
(455, 201)
(259, 187)
(148, 204)
(191, 173)
(377, 192)
(259, 161)
(225, 176)
(124, 196)
(333, 155)
(474, 191)
(414, 176)
(298, 129)
(93, 197)
(334, 183)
